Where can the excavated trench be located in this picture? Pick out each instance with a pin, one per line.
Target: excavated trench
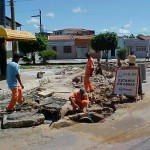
(102, 102)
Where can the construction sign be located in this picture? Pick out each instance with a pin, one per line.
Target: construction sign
(127, 81)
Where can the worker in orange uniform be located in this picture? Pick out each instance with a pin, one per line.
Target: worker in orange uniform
(88, 73)
(14, 82)
(79, 100)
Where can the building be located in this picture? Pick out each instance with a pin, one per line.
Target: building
(71, 43)
(140, 46)
(8, 23)
(70, 46)
(73, 31)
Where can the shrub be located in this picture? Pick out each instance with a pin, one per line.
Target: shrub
(47, 55)
(122, 53)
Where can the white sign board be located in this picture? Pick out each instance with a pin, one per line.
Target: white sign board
(126, 81)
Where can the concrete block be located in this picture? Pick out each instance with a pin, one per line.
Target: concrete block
(21, 119)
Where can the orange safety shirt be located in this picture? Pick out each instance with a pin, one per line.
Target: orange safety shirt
(89, 66)
(77, 97)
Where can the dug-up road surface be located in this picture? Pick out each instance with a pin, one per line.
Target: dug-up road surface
(127, 129)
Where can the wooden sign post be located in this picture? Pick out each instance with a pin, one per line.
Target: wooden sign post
(128, 82)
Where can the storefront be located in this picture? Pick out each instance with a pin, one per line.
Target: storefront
(11, 35)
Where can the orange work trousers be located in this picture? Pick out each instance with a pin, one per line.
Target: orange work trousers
(16, 97)
(82, 104)
(88, 86)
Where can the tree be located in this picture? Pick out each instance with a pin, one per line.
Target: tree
(104, 42)
(139, 36)
(30, 47)
(122, 53)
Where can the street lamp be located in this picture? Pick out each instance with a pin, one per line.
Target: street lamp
(40, 20)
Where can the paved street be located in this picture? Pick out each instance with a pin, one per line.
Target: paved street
(126, 129)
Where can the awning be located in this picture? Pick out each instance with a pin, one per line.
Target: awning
(16, 35)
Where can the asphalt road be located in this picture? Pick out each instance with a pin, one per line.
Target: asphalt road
(127, 129)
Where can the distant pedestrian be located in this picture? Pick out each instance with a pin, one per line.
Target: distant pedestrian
(147, 56)
(88, 73)
(98, 70)
(14, 82)
(131, 59)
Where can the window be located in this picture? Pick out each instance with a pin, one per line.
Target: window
(67, 49)
(141, 48)
(54, 48)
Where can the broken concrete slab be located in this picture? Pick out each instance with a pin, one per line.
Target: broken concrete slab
(46, 93)
(62, 123)
(21, 119)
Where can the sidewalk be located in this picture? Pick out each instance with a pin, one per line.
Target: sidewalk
(29, 79)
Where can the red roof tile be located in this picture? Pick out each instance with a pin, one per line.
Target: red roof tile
(68, 37)
(82, 36)
(144, 37)
(75, 29)
(59, 37)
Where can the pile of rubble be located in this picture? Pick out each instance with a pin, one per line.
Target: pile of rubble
(42, 106)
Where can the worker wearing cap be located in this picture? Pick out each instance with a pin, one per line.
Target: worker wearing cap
(79, 100)
(14, 82)
(88, 73)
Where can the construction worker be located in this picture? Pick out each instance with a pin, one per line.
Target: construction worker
(131, 59)
(14, 82)
(79, 100)
(88, 73)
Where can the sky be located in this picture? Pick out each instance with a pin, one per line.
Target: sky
(125, 17)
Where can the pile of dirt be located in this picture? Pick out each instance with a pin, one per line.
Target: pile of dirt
(103, 102)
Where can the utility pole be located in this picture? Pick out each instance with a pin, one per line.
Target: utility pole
(13, 25)
(40, 20)
(2, 13)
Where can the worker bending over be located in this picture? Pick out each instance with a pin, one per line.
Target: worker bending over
(79, 100)
(88, 73)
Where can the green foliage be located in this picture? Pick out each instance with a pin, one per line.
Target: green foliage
(139, 35)
(30, 47)
(104, 42)
(9, 54)
(122, 53)
(47, 55)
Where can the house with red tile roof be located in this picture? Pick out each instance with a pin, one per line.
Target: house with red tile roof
(71, 43)
(70, 46)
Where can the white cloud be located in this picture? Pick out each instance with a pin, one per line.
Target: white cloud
(124, 31)
(128, 24)
(104, 30)
(36, 26)
(79, 10)
(144, 29)
(52, 15)
(33, 21)
(114, 28)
